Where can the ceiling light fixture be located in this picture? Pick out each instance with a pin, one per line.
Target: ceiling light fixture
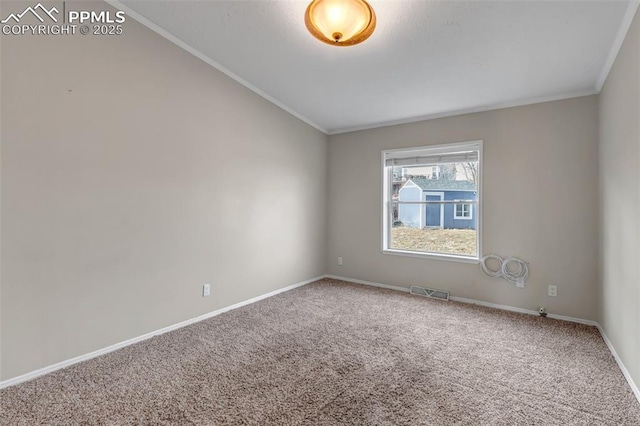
(340, 22)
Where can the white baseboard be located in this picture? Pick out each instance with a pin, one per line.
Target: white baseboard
(51, 368)
(624, 370)
(75, 360)
(522, 310)
(470, 301)
(370, 283)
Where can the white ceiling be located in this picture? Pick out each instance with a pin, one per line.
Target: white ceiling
(425, 59)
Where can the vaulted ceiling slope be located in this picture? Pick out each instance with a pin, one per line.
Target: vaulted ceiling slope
(425, 59)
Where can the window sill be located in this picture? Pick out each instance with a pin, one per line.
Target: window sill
(435, 256)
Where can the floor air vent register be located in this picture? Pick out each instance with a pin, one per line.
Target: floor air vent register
(429, 292)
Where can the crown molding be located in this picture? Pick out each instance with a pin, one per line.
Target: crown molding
(195, 52)
(617, 43)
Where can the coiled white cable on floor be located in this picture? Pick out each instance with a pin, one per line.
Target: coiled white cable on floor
(515, 276)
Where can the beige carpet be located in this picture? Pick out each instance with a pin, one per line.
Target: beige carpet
(336, 353)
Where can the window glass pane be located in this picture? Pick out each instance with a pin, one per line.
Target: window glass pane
(434, 240)
(431, 201)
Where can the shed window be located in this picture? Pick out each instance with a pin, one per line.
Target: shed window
(462, 211)
(427, 214)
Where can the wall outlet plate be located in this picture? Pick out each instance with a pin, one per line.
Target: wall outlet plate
(206, 290)
(340, 261)
(552, 291)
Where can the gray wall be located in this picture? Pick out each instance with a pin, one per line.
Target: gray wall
(540, 203)
(620, 202)
(132, 174)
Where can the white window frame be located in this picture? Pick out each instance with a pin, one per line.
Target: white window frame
(463, 217)
(387, 186)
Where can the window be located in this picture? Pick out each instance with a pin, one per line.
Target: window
(462, 211)
(435, 211)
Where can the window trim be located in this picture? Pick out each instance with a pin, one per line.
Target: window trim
(463, 217)
(386, 187)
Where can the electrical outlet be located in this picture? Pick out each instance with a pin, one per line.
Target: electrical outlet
(339, 261)
(552, 291)
(206, 290)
